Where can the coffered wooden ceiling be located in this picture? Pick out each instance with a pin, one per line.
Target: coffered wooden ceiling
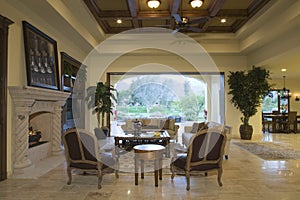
(136, 14)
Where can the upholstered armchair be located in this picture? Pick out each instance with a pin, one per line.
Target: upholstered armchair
(189, 132)
(227, 131)
(205, 153)
(172, 128)
(82, 153)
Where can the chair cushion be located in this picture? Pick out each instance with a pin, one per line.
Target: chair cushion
(195, 127)
(84, 166)
(180, 163)
(107, 159)
(171, 132)
(146, 122)
(186, 137)
(165, 124)
(214, 147)
(73, 147)
(107, 147)
(172, 124)
(202, 126)
(215, 125)
(129, 124)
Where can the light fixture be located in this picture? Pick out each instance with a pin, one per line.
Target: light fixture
(285, 92)
(119, 21)
(223, 20)
(153, 3)
(185, 20)
(196, 3)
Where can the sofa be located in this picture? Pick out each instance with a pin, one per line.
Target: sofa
(189, 131)
(154, 124)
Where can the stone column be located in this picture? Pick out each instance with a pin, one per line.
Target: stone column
(56, 129)
(21, 121)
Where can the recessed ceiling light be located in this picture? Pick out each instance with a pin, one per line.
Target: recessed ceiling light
(119, 21)
(223, 20)
(283, 70)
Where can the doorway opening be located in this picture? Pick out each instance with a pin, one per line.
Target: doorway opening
(186, 97)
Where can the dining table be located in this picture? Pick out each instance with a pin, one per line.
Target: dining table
(276, 119)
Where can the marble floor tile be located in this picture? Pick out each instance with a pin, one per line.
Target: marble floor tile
(245, 176)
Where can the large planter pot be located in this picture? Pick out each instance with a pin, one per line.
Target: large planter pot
(246, 132)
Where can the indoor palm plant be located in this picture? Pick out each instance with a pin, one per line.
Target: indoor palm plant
(247, 90)
(99, 99)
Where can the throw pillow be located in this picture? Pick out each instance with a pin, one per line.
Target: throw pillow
(195, 127)
(215, 125)
(146, 122)
(165, 124)
(129, 124)
(202, 126)
(172, 124)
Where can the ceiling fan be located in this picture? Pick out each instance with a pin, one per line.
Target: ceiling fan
(185, 24)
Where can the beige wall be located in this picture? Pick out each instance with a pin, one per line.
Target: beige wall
(16, 57)
(224, 64)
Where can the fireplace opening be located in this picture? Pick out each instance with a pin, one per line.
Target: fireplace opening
(39, 130)
(34, 138)
(37, 143)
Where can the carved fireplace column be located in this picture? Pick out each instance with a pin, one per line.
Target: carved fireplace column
(21, 120)
(56, 128)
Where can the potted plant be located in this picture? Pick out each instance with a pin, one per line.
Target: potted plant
(247, 90)
(100, 100)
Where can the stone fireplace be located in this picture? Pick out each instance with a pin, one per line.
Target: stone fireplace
(41, 109)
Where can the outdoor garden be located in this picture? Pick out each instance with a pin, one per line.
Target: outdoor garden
(181, 98)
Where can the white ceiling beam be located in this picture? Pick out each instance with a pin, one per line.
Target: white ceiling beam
(69, 16)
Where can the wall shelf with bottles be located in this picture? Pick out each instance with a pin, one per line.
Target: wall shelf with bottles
(69, 70)
(73, 74)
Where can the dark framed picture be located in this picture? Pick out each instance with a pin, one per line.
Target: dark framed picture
(41, 58)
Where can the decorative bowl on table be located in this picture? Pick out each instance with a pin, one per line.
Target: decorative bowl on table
(157, 133)
(147, 134)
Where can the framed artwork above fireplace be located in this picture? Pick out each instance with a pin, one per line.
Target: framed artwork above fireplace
(41, 58)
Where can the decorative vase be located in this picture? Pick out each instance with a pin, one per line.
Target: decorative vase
(137, 126)
(246, 132)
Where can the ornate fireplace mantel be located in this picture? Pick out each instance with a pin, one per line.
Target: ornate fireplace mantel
(29, 100)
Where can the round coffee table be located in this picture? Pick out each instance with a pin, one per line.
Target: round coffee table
(148, 152)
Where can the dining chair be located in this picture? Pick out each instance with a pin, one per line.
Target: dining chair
(291, 121)
(266, 124)
(205, 153)
(82, 153)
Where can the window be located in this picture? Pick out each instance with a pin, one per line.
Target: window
(275, 101)
(183, 96)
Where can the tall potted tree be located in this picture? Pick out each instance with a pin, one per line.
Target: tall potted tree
(99, 99)
(247, 90)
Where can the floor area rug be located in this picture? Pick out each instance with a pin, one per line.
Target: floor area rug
(270, 150)
(126, 161)
(126, 164)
